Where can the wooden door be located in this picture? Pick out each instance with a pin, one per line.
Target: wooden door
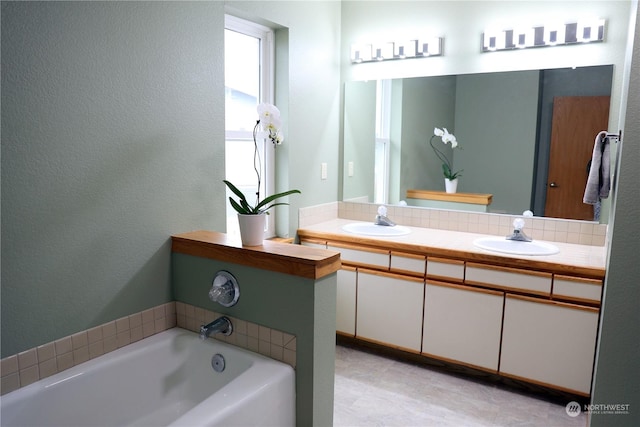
(576, 122)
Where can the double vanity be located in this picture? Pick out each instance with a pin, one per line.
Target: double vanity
(434, 293)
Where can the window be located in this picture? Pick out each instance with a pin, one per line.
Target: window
(248, 59)
(383, 142)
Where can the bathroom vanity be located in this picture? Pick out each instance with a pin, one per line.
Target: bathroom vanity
(433, 293)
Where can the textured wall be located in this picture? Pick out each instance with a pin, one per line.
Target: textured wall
(112, 139)
(617, 365)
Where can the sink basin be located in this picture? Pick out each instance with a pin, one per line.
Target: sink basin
(369, 229)
(500, 244)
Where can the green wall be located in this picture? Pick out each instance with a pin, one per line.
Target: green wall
(426, 104)
(359, 139)
(112, 140)
(112, 130)
(302, 307)
(498, 143)
(617, 366)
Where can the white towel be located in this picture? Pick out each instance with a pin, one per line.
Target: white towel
(599, 180)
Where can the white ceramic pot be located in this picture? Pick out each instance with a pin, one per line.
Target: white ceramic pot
(451, 185)
(251, 229)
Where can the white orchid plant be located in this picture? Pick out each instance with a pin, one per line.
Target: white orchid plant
(446, 139)
(269, 121)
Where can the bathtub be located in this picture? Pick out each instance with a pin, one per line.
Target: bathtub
(164, 380)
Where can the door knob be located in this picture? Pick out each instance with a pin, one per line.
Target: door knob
(553, 185)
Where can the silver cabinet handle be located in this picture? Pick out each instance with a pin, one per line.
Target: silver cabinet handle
(553, 185)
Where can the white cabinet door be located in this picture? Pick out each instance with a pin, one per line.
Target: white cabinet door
(550, 343)
(346, 302)
(463, 324)
(390, 310)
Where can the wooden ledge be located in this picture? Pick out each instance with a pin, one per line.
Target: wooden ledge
(471, 198)
(297, 260)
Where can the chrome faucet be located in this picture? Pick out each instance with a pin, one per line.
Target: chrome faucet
(381, 218)
(222, 325)
(518, 235)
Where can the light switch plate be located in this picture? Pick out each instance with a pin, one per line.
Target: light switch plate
(350, 169)
(323, 171)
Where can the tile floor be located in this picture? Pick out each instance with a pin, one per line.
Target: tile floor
(372, 390)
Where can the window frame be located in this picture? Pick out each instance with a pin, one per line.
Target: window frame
(267, 94)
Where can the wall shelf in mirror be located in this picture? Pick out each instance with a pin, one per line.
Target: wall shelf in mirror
(475, 202)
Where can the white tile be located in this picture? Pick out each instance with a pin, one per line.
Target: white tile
(29, 375)
(122, 325)
(9, 365)
(94, 334)
(27, 358)
(108, 329)
(46, 352)
(63, 345)
(10, 383)
(48, 368)
(79, 340)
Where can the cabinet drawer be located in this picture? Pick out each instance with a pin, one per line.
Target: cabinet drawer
(508, 278)
(312, 243)
(369, 257)
(581, 289)
(445, 269)
(413, 264)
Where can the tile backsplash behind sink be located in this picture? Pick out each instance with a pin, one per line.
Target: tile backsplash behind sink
(549, 229)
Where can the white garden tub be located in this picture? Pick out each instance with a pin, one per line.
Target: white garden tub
(164, 380)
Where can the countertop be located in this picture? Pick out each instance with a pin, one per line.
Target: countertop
(573, 259)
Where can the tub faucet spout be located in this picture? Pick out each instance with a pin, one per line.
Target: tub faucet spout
(222, 325)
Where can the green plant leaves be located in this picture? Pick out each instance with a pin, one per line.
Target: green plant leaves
(243, 207)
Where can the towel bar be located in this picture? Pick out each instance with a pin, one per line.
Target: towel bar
(615, 136)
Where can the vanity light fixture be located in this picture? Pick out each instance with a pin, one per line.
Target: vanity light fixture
(361, 53)
(405, 49)
(382, 51)
(547, 35)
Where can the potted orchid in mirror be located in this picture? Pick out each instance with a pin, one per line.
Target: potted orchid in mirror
(251, 217)
(450, 177)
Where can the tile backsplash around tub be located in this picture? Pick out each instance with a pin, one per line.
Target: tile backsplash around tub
(29, 366)
(260, 339)
(550, 229)
(45, 360)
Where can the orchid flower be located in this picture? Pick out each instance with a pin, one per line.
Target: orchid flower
(269, 121)
(446, 164)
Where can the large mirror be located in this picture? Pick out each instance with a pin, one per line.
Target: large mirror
(503, 122)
